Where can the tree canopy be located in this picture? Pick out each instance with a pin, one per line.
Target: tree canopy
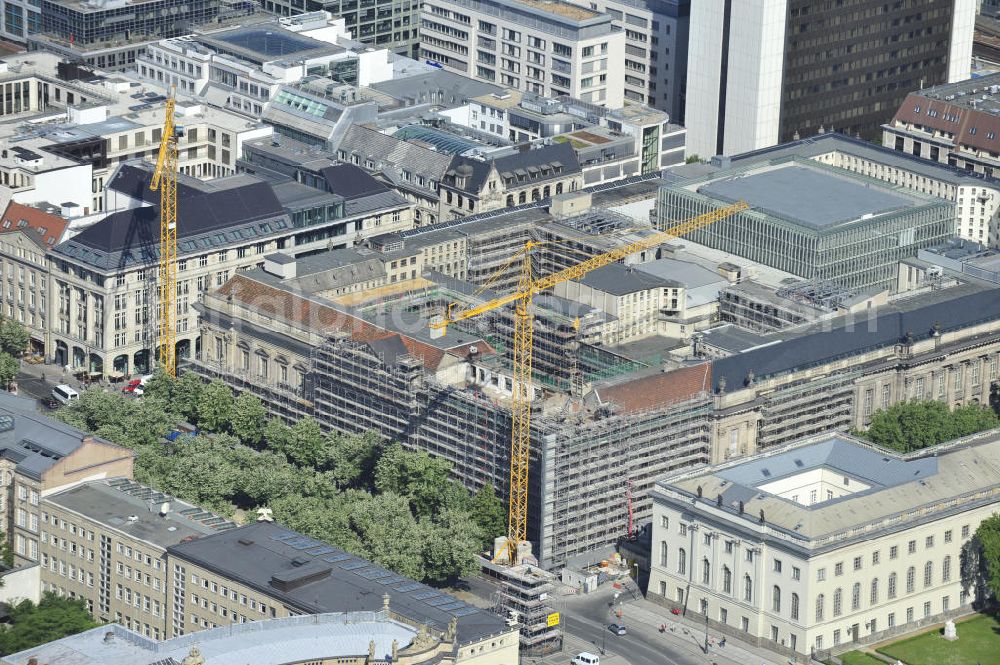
(14, 337)
(909, 426)
(396, 507)
(981, 560)
(53, 618)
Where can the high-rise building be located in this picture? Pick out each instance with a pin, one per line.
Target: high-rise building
(552, 48)
(656, 36)
(761, 72)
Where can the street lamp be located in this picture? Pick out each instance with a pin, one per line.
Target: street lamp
(706, 630)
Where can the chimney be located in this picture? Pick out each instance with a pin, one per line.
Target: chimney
(164, 508)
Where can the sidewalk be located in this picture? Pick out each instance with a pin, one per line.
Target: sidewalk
(736, 651)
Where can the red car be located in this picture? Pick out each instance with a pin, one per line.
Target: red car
(133, 387)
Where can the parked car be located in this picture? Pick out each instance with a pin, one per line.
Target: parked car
(64, 394)
(178, 436)
(617, 629)
(134, 387)
(587, 658)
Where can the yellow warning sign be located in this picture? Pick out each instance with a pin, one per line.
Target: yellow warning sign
(553, 619)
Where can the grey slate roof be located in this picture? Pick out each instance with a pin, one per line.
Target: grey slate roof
(35, 442)
(112, 502)
(224, 212)
(887, 329)
(416, 159)
(261, 554)
(351, 182)
(904, 491)
(437, 87)
(526, 161)
(618, 280)
(823, 144)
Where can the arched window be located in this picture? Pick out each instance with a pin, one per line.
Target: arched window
(747, 589)
(559, 188)
(946, 569)
(911, 579)
(795, 606)
(928, 574)
(838, 602)
(535, 194)
(820, 606)
(663, 553)
(874, 595)
(706, 573)
(681, 561)
(856, 596)
(776, 598)
(546, 191)
(522, 197)
(510, 200)
(727, 580)
(892, 586)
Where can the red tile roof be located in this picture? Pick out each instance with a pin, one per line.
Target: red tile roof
(659, 389)
(933, 114)
(281, 304)
(48, 228)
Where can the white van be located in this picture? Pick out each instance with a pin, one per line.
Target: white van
(64, 394)
(586, 658)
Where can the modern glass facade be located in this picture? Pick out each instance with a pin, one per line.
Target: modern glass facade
(391, 24)
(859, 254)
(81, 24)
(849, 63)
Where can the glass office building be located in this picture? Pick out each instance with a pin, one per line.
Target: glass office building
(811, 220)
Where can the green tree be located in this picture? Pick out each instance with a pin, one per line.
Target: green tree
(416, 476)
(489, 513)
(215, 407)
(351, 459)
(388, 533)
(53, 618)
(14, 337)
(981, 563)
(249, 418)
(160, 385)
(909, 426)
(450, 543)
(187, 395)
(327, 519)
(305, 444)
(8, 369)
(276, 434)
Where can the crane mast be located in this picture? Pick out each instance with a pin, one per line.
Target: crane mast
(521, 392)
(165, 179)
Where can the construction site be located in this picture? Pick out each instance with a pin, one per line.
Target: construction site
(603, 426)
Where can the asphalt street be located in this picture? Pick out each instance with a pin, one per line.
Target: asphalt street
(585, 620)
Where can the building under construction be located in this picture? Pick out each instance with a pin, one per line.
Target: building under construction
(364, 359)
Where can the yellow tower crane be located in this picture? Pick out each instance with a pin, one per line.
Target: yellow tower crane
(165, 179)
(528, 286)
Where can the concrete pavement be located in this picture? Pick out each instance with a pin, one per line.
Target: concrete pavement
(587, 617)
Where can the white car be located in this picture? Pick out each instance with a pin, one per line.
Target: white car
(586, 658)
